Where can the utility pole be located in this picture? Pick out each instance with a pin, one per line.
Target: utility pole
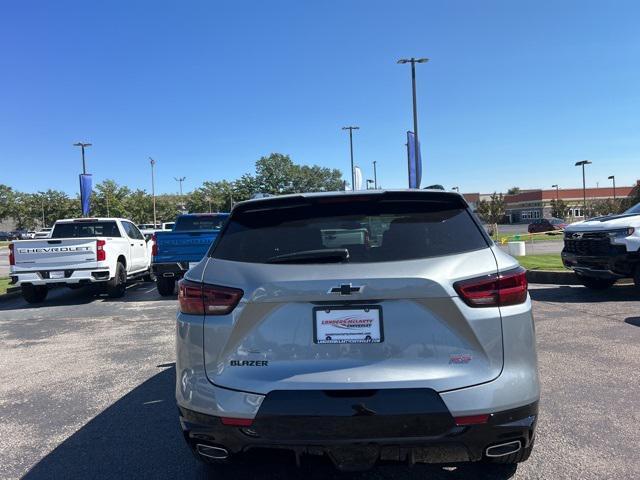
(613, 177)
(106, 196)
(413, 62)
(153, 189)
(584, 188)
(180, 180)
(375, 175)
(42, 205)
(353, 173)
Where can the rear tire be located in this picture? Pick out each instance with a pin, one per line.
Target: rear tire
(594, 283)
(117, 286)
(165, 286)
(518, 457)
(34, 293)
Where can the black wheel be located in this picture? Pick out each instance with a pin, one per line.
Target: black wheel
(595, 283)
(118, 284)
(165, 286)
(520, 456)
(34, 293)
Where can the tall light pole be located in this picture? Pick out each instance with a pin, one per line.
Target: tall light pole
(557, 191)
(582, 163)
(180, 180)
(375, 175)
(353, 173)
(413, 62)
(83, 146)
(153, 189)
(613, 177)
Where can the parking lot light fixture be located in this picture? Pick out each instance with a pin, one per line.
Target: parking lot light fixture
(457, 189)
(153, 189)
(82, 147)
(613, 178)
(180, 180)
(413, 62)
(582, 163)
(557, 192)
(369, 182)
(353, 173)
(375, 175)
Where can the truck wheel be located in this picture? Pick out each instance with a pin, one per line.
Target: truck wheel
(595, 283)
(34, 293)
(166, 286)
(118, 284)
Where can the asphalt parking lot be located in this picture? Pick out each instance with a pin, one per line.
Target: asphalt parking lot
(86, 391)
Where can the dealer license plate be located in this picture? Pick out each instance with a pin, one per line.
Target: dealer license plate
(348, 325)
(56, 274)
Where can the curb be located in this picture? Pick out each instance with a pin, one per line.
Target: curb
(557, 277)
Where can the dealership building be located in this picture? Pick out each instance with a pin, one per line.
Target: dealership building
(528, 205)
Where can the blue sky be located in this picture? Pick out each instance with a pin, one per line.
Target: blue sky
(514, 94)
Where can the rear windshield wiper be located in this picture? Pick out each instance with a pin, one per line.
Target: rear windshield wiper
(327, 255)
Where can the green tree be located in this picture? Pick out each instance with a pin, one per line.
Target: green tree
(138, 206)
(513, 191)
(109, 200)
(492, 211)
(559, 208)
(7, 201)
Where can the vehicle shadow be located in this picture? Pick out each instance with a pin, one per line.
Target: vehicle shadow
(139, 437)
(580, 294)
(63, 296)
(635, 321)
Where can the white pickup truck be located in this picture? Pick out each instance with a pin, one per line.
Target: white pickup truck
(604, 249)
(81, 251)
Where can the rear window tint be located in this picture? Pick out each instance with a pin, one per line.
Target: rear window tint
(200, 222)
(380, 231)
(85, 229)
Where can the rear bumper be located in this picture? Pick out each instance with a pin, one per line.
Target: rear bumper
(71, 276)
(355, 442)
(602, 266)
(170, 270)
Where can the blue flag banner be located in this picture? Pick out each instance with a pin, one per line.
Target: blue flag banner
(415, 161)
(85, 193)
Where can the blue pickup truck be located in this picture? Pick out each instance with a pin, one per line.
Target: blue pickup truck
(175, 251)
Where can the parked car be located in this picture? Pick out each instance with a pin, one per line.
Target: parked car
(5, 237)
(416, 345)
(603, 250)
(546, 225)
(44, 233)
(149, 229)
(80, 251)
(175, 251)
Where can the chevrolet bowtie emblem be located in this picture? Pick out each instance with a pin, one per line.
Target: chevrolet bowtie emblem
(345, 289)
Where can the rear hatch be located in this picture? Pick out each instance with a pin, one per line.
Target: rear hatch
(52, 254)
(383, 315)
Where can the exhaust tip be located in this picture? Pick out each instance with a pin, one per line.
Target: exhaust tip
(503, 449)
(216, 453)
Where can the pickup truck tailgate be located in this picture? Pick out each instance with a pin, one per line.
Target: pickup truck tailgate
(182, 246)
(51, 254)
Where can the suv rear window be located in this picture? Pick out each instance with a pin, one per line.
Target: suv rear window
(85, 229)
(199, 222)
(372, 231)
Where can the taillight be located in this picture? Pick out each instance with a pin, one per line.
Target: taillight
(202, 299)
(101, 254)
(507, 288)
(154, 245)
(12, 257)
